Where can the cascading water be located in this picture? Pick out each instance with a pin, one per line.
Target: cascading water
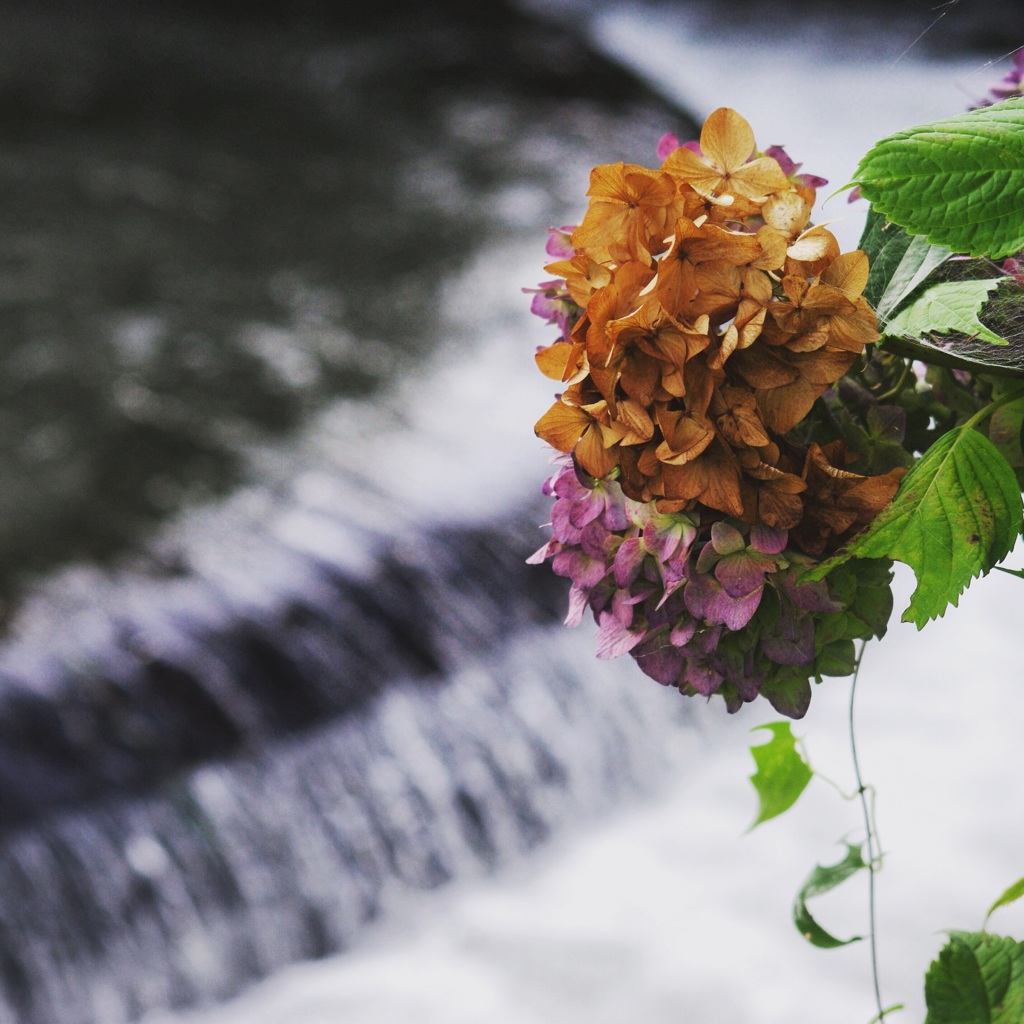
(273, 656)
(478, 740)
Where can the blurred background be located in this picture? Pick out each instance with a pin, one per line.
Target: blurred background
(284, 716)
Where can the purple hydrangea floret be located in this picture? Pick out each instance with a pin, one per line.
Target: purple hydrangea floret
(701, 601)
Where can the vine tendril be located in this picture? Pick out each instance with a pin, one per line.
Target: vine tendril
(874, 853)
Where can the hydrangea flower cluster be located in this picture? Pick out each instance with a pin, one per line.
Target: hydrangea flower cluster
(701, 317)
(706, 603)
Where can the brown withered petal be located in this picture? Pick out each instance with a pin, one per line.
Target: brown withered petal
(812, 252)
(554, 362)
(657, 334)
(719, 286)
(849, 273)
(583, 276)
(713, 479)
(701, 381)
(772, 496)
(794, 287)
(647, 461)
(693, 246)
(813, 339)
(826, 300)
(787, 212)
(738, 418)
(783, 407)
(866, 496)
(726, 346)
(672, 385)
(604, 379)
(773, 249)
(762, 368)
(633, 418)
(749, 323)
(718, 210)
(673, 344)
(640, 376)
(665, 506)
(727, 142)
(611, 303)
(631, 210)
(772, 335)
(853, 331)
(839, 503)
(592, 454)
(684, 437)
(562, 425)
(711, 242)
(755, 286)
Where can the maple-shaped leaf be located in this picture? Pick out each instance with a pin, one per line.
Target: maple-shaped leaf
(957, 513)
(782, 774)
(950, 306)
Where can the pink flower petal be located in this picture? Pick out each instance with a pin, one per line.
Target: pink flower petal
(629, 559)
(739, 574)
(768, 540)
(613, 638)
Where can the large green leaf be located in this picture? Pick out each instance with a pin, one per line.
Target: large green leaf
(945, 307)
(821, 880)
(977, 979)
(958, 181)
(957, 513)
(782, 774)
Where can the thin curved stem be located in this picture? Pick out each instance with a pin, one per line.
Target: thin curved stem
(874, 854)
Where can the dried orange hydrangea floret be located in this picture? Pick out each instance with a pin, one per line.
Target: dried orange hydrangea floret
(711, 317)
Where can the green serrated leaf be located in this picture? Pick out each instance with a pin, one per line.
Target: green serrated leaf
(977, 979)
(782, 774)
(949, 306)
(822, 880)
(958, 181)
(1012, 894)
(957, 513)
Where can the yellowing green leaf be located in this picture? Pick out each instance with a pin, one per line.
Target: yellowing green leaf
(945, 307)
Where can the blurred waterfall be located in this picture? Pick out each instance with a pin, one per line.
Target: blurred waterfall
(272, 657)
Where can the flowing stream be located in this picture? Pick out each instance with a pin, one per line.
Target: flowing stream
(275, 682)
